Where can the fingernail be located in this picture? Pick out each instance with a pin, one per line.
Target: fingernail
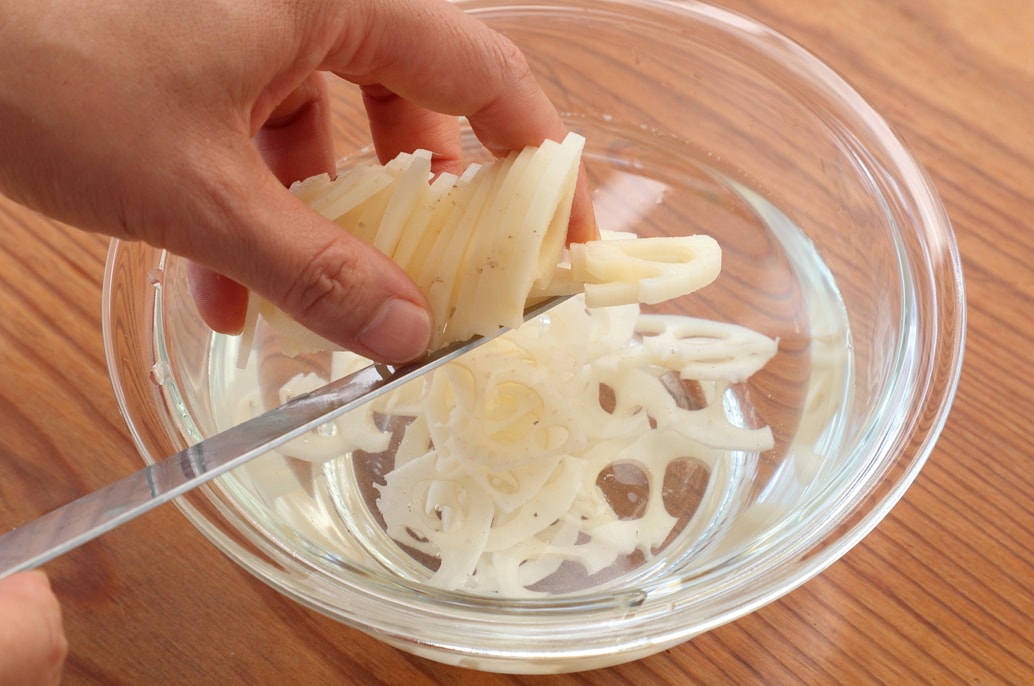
(399, 331)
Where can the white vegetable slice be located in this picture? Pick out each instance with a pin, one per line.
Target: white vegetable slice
(702, 349)
(519, 259)
(453, 199)
(315, 191)
(545, 506)
(447, 256)
(349, 190)
(456, 523)
(440, 231)
(464, 315)
(482, 245)
(645, 270)
(550, 501)
(419, 225)
(364, 220)
(555, 237)
(482, 483)
(352, 431)
(500, 452)
(409, 190)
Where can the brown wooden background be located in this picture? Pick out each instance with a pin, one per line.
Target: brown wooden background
(942, 592)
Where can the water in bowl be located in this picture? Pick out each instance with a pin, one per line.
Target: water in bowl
(773, 281)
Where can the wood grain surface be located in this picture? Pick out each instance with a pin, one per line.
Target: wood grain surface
(942, 592)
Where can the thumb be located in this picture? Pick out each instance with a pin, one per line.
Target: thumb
(32, 640)
(329, 281)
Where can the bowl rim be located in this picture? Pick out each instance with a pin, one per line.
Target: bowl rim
(938, 389)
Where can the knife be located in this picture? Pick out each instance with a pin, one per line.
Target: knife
(96, 513)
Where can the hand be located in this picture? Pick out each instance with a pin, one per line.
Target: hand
(32, 640)
(179, 124)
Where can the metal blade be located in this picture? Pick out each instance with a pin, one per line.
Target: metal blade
(96, 513)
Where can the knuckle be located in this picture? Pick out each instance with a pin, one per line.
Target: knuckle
(513, 58)
(511, 61)
(325, 281)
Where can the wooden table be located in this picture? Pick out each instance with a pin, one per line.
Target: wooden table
(941, 592)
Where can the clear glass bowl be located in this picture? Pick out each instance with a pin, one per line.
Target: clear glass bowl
(835, 244)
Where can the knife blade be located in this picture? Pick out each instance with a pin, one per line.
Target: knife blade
(96, 513)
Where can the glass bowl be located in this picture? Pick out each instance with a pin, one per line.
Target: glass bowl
(835, 245)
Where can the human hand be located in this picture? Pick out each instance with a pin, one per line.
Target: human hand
(32, 640)
(179, 124)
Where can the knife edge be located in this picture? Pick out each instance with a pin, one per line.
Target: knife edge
(84, 519)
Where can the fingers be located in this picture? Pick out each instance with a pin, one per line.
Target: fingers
(260, 235)
(221, 301)
(450, 63)
(296, 140)
(335, 284)
(32, 640)
(398, 125)
(296, 143)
